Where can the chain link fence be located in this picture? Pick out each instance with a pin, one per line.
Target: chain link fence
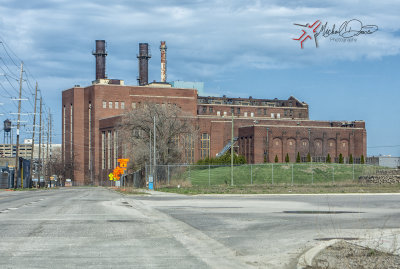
(248, 174)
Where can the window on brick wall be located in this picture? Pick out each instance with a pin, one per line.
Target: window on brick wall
(109, 148)
(116, 105)
(265, 111)
(238, 110)
(259, 111)
(210, 109)
(109, 104)
(103, 150)
(189, 148)
(104, 104)
(133, 105)
(122, 105)
(205, 146)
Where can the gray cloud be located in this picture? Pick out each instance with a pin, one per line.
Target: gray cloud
(206, 39)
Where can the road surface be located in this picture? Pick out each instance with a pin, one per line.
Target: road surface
(100, 228)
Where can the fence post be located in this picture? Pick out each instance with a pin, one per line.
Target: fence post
(209, 175)
(168, 174)
(333, 173)
(251, 174)
(353, 170)
(312, 174)
(292, 174)
(272, 173)
(189, 174)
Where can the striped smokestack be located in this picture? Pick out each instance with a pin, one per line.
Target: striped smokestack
(163, 49)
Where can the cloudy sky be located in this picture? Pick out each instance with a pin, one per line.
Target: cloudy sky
(237, 48)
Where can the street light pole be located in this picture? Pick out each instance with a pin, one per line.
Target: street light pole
(154, 152)
(232, 153)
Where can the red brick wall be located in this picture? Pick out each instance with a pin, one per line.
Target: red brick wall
(292, 135)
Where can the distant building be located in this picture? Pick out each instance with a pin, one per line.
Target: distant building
(7, 150)
(386, 161)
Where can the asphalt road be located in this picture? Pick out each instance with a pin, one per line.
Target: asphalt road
(99, 228)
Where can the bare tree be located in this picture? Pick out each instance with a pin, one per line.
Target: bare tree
(56, 166)
(175, 132)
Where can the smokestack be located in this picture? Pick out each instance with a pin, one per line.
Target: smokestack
(163, 49)
(100, 55)
(143, 57)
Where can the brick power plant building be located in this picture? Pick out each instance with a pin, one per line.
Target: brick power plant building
(263, 128)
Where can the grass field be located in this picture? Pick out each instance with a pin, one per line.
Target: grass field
(260, 174)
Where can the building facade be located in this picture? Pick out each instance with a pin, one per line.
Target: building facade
(264, 129)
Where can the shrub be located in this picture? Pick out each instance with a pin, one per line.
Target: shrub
(287, 158)
(276, 158)
(328, 158)
(298, 160)
(309, 157)
(341, 158)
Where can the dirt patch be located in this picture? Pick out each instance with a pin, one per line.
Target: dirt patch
(344, 255)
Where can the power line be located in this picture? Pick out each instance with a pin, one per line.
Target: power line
(392, 146)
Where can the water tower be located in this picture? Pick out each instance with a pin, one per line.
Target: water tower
(7, 131)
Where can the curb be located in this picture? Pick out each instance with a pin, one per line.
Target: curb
(306, 259)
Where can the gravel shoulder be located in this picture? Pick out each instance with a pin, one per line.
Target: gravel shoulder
(347, 255)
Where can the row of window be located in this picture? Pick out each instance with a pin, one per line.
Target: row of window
(260, 112)
(116, 104)
(251, 114)
(163, 105)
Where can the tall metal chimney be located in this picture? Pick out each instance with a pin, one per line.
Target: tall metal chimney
(100, 55)
(163, 49)
(143, 57)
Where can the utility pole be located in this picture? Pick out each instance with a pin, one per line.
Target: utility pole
(40, 143)
(154, 153)
(232, 153)
(150, 171)
(47, 148)
(18, 123)
(50, 155)
(33, 134)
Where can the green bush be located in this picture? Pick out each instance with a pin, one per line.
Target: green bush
(309, 157)
(298, 160)
(341, 158)
(276, 158)
(351, 159)
(287, 158)
(223, 160)
(328, 158)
